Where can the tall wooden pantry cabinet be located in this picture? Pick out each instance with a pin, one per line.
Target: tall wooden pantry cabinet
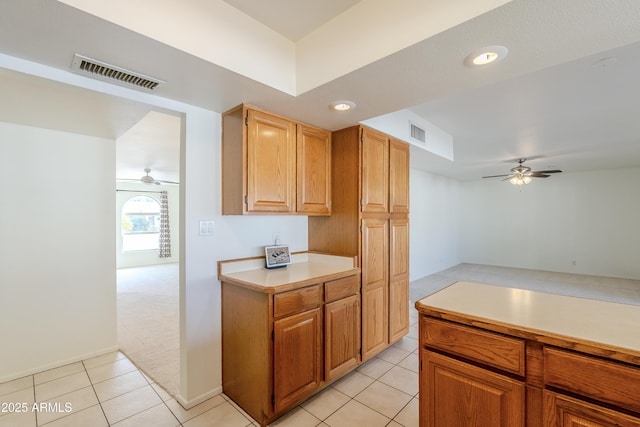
(370, 219)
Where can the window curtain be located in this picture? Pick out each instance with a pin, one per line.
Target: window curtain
(165, 233)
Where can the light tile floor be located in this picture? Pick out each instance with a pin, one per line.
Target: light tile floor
(111, 391)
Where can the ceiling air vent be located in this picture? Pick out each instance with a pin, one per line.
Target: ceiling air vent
(112, 73)
(418, 133)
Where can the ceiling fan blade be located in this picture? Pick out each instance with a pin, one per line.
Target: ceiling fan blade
(550, 171)
(540, 175)
(162, 181)
(497, 176)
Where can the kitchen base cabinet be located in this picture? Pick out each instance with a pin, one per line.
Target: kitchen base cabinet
(564, 411)
(297, 368)
(247, 350)
(454, 393)
(489, 358)
(283, 343)
(342, 336)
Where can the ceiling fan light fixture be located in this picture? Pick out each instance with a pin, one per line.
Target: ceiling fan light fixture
(521, 180)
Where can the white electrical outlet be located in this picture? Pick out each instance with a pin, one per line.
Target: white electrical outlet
(276, 238)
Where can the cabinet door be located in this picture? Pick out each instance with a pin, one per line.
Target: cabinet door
(271, 163)
(297, 368)
(454, 393)
(375, 286)
(375, 171)
(314, 171)
(564, 411)
(341, 336)
(398, 177)
(398, 279)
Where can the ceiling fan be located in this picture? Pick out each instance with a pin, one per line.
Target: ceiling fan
(522, 174)
(148, 179)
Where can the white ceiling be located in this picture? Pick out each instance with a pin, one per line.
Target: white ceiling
(293, 19)
(44, 103)
(547, 100)
(154, 143)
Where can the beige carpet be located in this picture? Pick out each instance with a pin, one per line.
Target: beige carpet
(148, 322)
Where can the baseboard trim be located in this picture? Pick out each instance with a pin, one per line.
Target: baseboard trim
(188, 404)
(46, 367)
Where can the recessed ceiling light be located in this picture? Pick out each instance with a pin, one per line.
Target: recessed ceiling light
(342, 105)
(485, 56)
(605, 62)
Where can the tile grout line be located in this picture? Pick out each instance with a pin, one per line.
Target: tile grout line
(337, 409)
(392, 419)
(148, 384)
(33, 382)
(95, 393)
(180, 423)
(374, 409)
(402, 409)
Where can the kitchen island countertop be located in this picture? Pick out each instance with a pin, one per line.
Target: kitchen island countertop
(597, 327)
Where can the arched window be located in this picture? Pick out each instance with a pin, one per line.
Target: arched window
(140, 224)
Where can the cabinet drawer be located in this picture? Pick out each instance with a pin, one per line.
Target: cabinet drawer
(485, 347)
(599, 379)
(341, 288)
(296, 301)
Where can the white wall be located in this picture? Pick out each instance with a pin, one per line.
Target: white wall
(148, 257)
(200, 178)
(434, 227)
(398, 124)
(234, 237)
(590, 218)
(57, 259)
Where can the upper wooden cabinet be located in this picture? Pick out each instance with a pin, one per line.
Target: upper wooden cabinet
(314, 171)
(375, 171)
(398, 177)
(272, 165)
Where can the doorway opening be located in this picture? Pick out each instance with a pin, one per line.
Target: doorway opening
(147, 247)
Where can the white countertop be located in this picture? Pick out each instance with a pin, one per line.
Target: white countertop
(305, 269)
(613, 325)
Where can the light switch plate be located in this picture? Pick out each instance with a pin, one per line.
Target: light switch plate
(206, 228)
